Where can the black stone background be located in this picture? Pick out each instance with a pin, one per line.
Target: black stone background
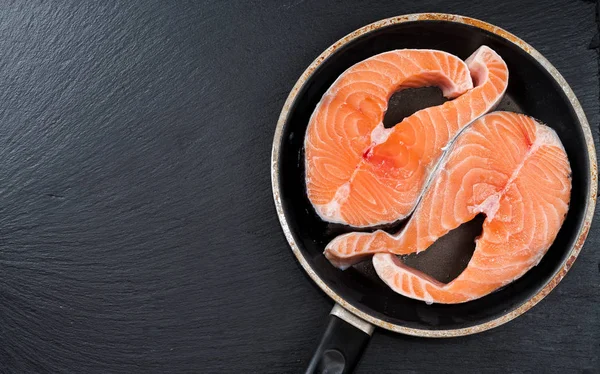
(137, 229)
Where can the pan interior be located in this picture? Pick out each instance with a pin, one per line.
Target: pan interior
(531, 90)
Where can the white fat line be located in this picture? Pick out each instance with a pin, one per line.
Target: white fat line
(379, 134)
(543, 136)
(410, 287)
(332, 209)
(427, 298)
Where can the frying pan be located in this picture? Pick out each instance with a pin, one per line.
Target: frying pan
(363, 301)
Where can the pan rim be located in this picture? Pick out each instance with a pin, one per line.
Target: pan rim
(591, 188)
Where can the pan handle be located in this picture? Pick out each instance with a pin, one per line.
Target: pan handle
(342, 344)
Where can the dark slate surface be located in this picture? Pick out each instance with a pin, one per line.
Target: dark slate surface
(137, 229)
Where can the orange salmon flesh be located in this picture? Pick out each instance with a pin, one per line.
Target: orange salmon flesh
(443, 164)
(360, 174)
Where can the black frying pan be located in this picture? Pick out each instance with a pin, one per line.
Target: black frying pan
(363, 301)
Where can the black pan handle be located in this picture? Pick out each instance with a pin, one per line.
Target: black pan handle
(342, 344)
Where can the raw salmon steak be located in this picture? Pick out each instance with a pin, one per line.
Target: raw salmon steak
(361, 174)
(507, 166)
